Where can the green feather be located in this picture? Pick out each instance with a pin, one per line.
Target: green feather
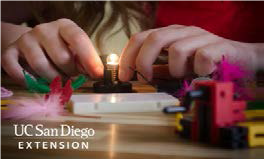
(78, 82)
(43, 81)
(34, 86)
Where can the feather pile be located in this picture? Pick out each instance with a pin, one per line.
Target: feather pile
(41, 85)
(49, 105)
(33, 108)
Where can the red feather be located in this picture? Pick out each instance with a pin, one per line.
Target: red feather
(55, 86)
(66, 92)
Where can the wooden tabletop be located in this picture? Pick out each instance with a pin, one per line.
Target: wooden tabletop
(117, 136)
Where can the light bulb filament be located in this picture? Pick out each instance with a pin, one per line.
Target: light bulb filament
(112, 59)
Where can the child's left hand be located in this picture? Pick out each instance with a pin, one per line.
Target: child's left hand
(182, 43)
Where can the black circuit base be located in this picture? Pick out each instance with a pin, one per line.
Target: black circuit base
(119, 87)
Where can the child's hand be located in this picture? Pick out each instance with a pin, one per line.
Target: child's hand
(52, 49)
(182, 43)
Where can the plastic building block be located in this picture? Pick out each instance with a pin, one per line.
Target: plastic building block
(5, 101)
(173, 109)
(187, 127)
(252, 114)
(204, 122)
(258, 104)
(201, 94)
(234, 137)
(178, 117)
(214, 110)
(121, 102)
(255, 133)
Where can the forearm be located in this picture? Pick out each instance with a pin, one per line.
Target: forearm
(10, 33)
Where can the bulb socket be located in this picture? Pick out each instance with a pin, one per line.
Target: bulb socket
(110, 83)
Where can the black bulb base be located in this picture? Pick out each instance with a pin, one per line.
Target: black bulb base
(117, 87)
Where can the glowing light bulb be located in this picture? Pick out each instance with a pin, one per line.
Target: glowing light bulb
(112, 59)
(111, 70)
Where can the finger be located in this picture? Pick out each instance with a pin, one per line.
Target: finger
(206, 57)
(156, 41)
(56, 49)
(9, 60)
(129, 55)
(36, 57)
(82, 45)
(180, 51)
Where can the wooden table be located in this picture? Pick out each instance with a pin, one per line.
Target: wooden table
(118, 136)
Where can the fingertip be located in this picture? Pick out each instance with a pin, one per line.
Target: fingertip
(122, 75)
(98, 72)
(204, 69)
(203, 64)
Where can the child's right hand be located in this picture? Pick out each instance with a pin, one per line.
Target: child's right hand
(51, 49)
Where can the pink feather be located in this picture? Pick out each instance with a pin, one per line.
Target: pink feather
(185, 88)
(5, 93)
(32, 108)
(227, 71)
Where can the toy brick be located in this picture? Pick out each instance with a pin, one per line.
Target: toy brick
(221, 110)
(178, 117)
(5, 102)
(255, 133)
(187, 127)
(204, 122)
(234, 137)
(238, 114)
(252, 114)
(257, 104)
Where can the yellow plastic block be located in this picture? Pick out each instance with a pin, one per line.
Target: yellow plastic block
(255, 133)
(254, 114)
(5, 102)
(3, 108)
(178, 125)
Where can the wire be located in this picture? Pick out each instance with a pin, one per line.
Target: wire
(149, 82)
